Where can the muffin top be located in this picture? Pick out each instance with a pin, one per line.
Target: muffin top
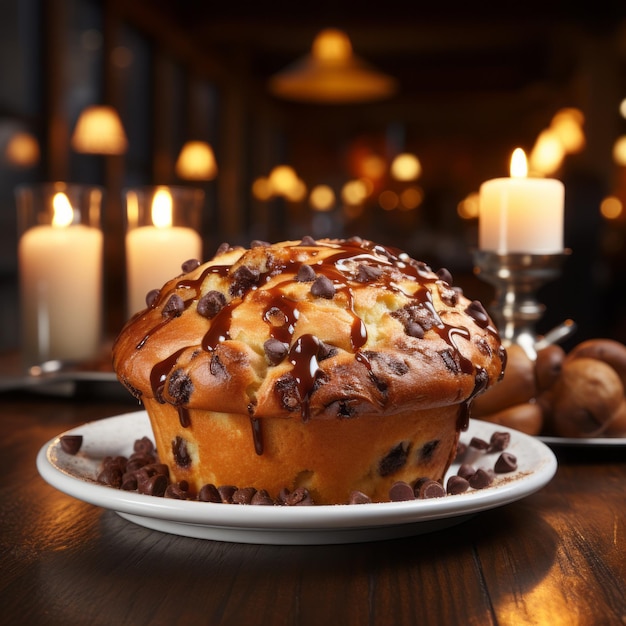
(313, 329)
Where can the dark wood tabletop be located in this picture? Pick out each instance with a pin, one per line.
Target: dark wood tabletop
(555, 557)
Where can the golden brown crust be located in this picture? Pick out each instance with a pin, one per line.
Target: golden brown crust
(354, 329)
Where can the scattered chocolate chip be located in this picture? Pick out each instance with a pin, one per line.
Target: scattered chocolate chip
(226, 493)
(307, 240)
(448, 294)
(358, 497)
(450, 360)
(480, 479)
(478, 443)
(143, 445)
(461, 449)
(262, 498)
(401, 491)
(413, 329)
(477, 312)
(151, 297)
(180, 386)
(306, 274)
(181, 454)
(394, 459)
(258, 243)
(431, 489)
(190, 265)
(275, 350)
(243, 279)
(286, 387)
(445, 275)
(323, 288)
(298, 497)
(223, 248)
(368, 273)
(71, 443)
(217, 368)
(138, 460)
(209, 493)
(243, 495)
(457, 484)
(177, 491)
(154, 486)
(174, 306)
(505, 463)
(326, 351)
(210, 304)
(499, 441)
(466, 471)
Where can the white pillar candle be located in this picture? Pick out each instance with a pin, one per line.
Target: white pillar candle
(155, 253)
(61, 292)
(519, 214)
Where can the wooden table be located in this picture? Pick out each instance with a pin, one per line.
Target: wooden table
(555, 557)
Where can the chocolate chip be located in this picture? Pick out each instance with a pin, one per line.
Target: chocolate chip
(326, 351)
(71, 443)
(243, 279)
(466, 471)
(448, 294)
(210, 304)
(209, 493)
(223, 248)
(401, 492)
(323, 288)
(480, 479)
(358, 497)
(190, 265)
(416, 319)
(477, 312)
(180, 386)
(298, 497)
(244, 495)
(505, 463)
(431, 489)
(481, 381)
(217, 368)
(151, 297)
(394, 459)
(139, 460)
(499, 441)
(258, 243)
(306, 274)
(262, 498)
(174, 306)
(286, 388)
(445, 275)
(181, 454)
(413, 329)
(177, 491)
(449, 361)
(457, 484)
(226, 493)
(275, 350)
(428, 449)
(153, 486)
(143, 445)
(307, 240)
(478, 443)
(461, 449)
(368, 273)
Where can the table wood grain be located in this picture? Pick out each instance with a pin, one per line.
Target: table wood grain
(557, 557)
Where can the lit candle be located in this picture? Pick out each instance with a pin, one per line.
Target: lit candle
(61, 287)
(521, 214)
(154, 254)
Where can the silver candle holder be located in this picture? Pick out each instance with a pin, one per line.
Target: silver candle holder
(515, 309)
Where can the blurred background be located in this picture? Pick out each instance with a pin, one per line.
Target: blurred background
(433, 100)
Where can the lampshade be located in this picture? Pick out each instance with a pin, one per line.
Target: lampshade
(196, 161)
(99, 130)
(332, 74)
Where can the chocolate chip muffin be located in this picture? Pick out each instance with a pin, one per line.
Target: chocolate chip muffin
(334, 365)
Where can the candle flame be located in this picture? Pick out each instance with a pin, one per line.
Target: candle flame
(519, 165)
(162, 209)
(63, 213)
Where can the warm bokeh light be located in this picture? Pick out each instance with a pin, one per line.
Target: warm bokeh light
(331, 45)
(99, 130)
(405, 167)
(196, 161)
(619, 151)
(22, 150)
(63, 213)
(261, 189)
(162, 208)
(611, 208)
(322, 198)
(411, 198)
(388, 200)
(547, 154)
(354, 192)
(567, 126)
(519, 166)
(622, 108)
(373, 166)
(468, 208)
(283, 181)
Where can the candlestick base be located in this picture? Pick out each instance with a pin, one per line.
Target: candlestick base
(515, 308)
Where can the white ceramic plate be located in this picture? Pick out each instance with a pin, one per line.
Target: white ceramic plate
(75, 475)
(584, 442)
